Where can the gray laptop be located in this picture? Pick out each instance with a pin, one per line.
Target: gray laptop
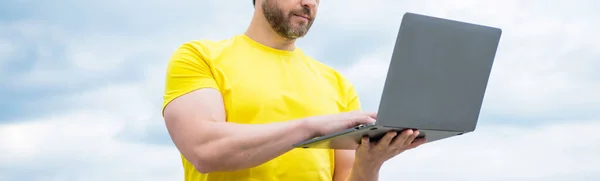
(436, 82)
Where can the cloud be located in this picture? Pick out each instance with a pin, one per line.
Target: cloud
(6, 47)
(544, 65)
(84, 91)
(81, 145)
(558, 151)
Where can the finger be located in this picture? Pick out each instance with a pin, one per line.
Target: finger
(372, 114)
(370, 120)
(399, 142)
(385, 141)
(411, 138)
(404, 135)
(416, 143)
(364, 120)
(365, 143)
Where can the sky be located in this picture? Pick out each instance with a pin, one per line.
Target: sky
(82, 85)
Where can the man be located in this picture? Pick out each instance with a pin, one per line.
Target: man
(234, 107)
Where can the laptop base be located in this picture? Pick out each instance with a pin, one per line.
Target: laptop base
(350, 139)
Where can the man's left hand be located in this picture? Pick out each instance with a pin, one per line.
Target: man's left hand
(372, 155)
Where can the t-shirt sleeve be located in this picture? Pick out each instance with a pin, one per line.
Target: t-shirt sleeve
(187, 70)
(351, 98)
(353, 103)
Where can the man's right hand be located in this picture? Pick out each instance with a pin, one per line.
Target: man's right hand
(326, 124)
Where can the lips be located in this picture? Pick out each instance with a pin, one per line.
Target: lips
(303, 16)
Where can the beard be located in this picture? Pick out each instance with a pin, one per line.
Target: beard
(281, 23)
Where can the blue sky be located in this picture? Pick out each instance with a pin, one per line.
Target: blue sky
(82, 85)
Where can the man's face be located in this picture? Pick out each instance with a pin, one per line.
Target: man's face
(291, 19)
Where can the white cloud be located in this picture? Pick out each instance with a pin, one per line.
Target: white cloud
(86, 140)
(82, 145)
(545, 64)
(6, 49)
(559, 151)
(48, 135)
(368, 76)
(66, 58)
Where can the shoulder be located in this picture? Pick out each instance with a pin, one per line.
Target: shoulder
(341, 86)
(203, 48)
(329, 72)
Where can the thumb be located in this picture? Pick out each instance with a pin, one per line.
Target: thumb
(361, 120)
(372, 114)
(364, 143)
(369, 119)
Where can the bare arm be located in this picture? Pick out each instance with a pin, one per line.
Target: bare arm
(369, 157)
(347, 170)
(344, 159)
(196, 123)
(363, 173)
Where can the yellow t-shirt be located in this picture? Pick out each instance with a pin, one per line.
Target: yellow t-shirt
(261, 84)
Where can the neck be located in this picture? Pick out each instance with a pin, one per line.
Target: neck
(261, 32)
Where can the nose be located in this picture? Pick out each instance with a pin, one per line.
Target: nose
(310, 3)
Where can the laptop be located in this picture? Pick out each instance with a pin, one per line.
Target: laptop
(436, 82)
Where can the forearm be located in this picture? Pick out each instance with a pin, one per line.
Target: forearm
(238, 146)
(363, 173)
